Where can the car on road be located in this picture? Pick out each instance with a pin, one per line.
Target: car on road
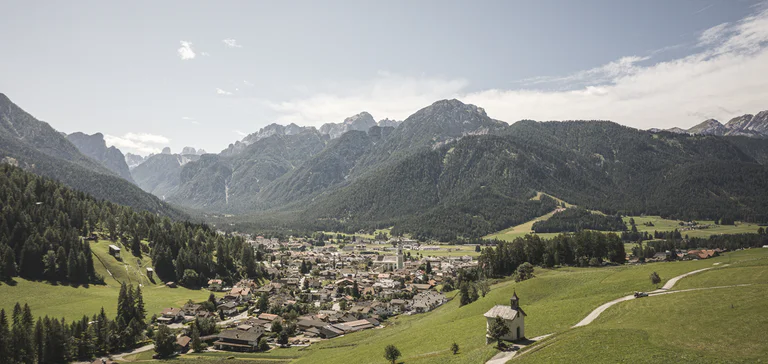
(641, 294)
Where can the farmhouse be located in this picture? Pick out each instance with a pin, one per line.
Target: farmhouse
(513, 317)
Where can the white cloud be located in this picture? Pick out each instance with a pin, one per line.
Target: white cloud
(232, 43)
(721, 79)
(185, 51)
(388, 95)
(222, 92)
(245, 82)
(205, 54)
(240, 133)
(142, 143)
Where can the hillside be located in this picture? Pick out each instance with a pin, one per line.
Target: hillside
(35, 146)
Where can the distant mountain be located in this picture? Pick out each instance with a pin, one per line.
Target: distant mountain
(708, 127)
(94, 147)
(133, 160)
(389, 122)
(482, 184)
(745, 125)
(35, 146)
(159, 174)
(361, 122)
(265, 132)
(358, 153)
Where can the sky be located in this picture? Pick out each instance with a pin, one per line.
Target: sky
(205, 74)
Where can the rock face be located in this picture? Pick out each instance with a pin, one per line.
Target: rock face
(166, 150)
(362, 122)
(708, 127)
(745, 125)
(389, 122)
(265, 132)
(749, 124)
(133, 160)
(189, 150)
(94, 147)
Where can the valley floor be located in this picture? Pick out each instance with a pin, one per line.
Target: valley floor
(695, 326)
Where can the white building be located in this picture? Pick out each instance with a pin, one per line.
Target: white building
(514, 318)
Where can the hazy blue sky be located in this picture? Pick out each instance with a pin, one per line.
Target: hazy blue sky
(151, 74)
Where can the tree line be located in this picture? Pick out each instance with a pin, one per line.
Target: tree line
(583, 248)
(577, 219)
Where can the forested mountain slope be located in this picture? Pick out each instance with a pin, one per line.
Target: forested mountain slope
(36, 146)
(596, 164)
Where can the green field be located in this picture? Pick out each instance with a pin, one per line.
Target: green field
(659, 224)
(74, 302)
(701, 326)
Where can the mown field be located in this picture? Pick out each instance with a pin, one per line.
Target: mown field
(74, 302)
(659, 224)
(703, 326)
(555, 300)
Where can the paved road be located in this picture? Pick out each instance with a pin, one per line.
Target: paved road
(134, 351)
(239, 317)
(667, 286)
(503, 357)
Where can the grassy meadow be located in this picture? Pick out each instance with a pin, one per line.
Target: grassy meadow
(659, 224)
(74, 302)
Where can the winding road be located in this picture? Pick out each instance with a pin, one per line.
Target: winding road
(504, 356)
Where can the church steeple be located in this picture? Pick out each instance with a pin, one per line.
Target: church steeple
(514, 301)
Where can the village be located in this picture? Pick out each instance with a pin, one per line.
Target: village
(312, 293)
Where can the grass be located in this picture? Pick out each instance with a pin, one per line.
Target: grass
(659, 224)
(74, 302)
(703, 326)
(687, 327)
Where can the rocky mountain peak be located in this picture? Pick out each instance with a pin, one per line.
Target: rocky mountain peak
(708, 127)
(362, 122)
(94, 147)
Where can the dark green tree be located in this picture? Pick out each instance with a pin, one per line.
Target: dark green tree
(391, 353)
(165, 342)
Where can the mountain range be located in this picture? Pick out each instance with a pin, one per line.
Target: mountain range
(745, 125)
(448, 171)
